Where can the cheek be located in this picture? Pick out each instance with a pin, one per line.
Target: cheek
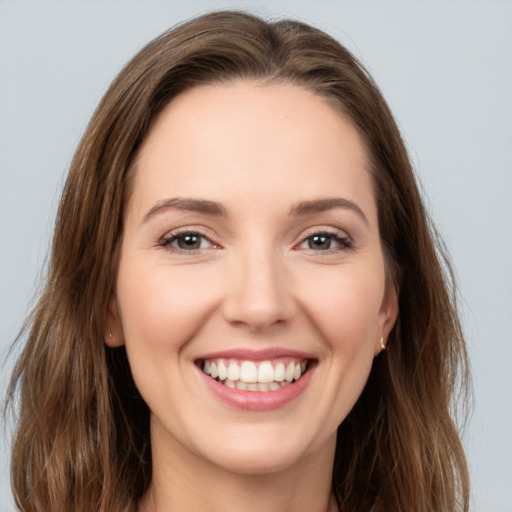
(344, 304)
(160, 308)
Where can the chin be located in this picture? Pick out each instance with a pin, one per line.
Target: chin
(260, 454)
(256, 462)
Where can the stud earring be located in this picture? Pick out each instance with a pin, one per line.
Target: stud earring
(382, 344)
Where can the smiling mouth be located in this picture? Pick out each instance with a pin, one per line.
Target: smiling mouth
(259, 376)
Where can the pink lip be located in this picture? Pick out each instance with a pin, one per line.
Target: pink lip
(256, 355)
(257, 400)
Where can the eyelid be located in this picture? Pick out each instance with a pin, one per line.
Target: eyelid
(326, 230)
(340, 236)
(166, 240)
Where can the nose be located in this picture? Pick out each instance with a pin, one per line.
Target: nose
(258, 295)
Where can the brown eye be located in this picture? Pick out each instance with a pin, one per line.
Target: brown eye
(189, 242)
(326, 242)
(186, 242)
(320, 242)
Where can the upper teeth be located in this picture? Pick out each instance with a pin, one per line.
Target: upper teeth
(252, 372)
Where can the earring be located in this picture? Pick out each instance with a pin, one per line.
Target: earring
(382, 344)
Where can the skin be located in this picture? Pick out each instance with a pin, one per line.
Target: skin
(256, 282)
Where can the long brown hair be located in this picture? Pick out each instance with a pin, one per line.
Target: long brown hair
(82, 439)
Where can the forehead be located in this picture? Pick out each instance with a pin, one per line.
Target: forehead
(245, 138)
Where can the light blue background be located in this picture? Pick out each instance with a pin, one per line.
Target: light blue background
(445, 68)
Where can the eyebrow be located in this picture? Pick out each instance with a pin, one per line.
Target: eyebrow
(212, 208)
(323, 205)
(188, 204)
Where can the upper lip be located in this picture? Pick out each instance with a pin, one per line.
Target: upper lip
(247, 354)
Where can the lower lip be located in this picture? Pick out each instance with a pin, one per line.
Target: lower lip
(257, 400)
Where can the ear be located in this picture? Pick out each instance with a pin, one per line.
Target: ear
(114, 333)
(388, 313)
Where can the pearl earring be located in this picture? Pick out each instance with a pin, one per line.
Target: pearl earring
(382, 344)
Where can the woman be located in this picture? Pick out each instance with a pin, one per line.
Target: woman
(244, 306)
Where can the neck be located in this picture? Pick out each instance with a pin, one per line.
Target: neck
(182, 481)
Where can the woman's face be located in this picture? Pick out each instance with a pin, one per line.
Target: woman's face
(251, 254)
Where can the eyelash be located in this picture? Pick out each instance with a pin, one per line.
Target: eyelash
(344, 243)
(174, 237)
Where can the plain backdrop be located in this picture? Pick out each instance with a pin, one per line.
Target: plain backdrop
(445, 68)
